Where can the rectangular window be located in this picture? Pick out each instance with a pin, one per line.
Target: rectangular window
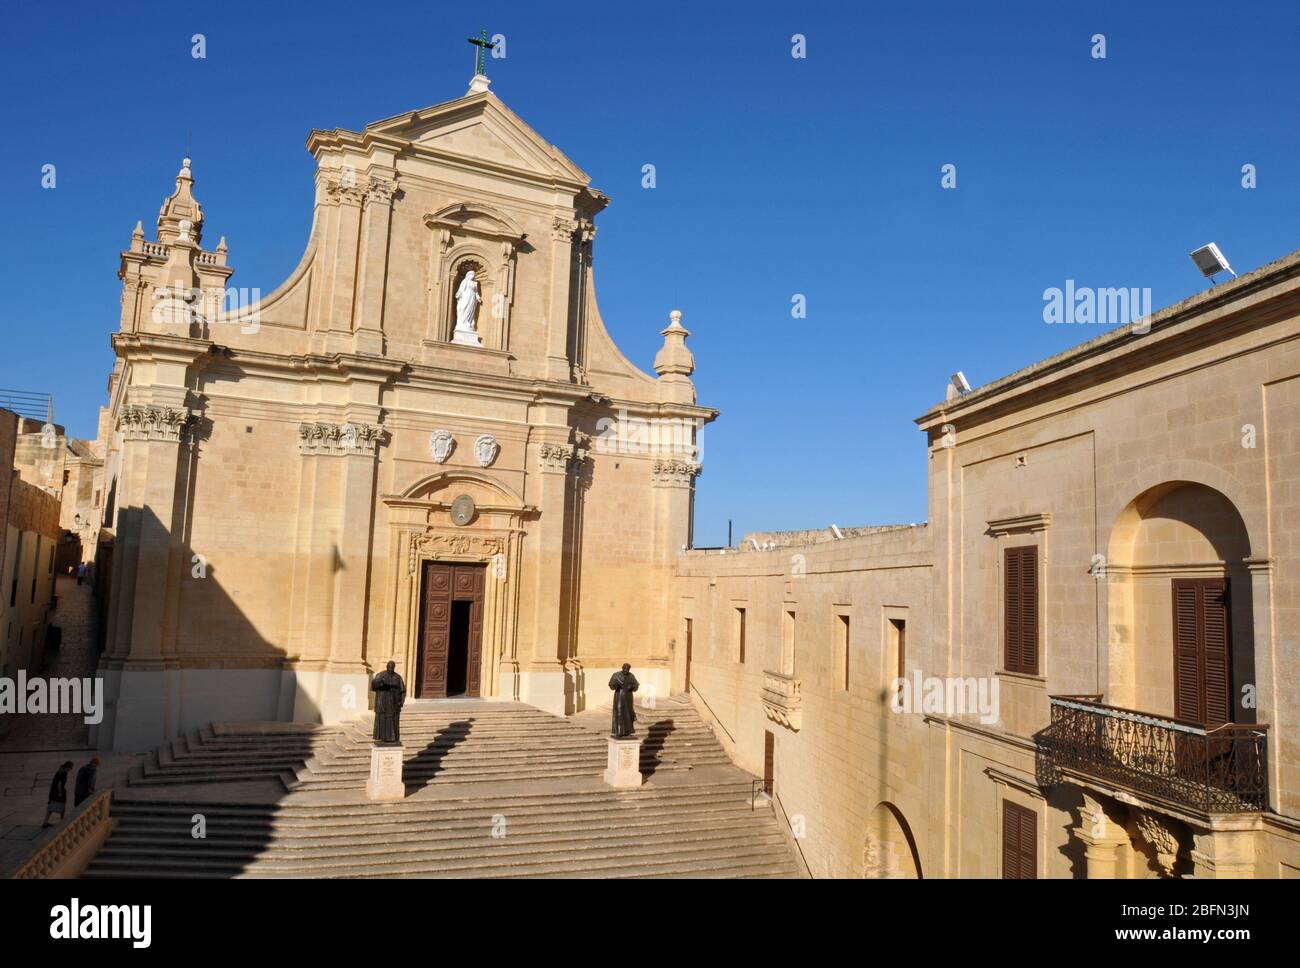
(1019, 842)
(1020, 609)
(738, 635)
(18, 566)
(898, 647)
(842, 651)
(787, 644)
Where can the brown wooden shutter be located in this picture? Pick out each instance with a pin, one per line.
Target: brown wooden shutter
(1011, 608)
(1218, 659)
(1019, 842)
(1187, 653)
(1187, 659)
(1020, 609)
(1202, 651)
(1029, 610)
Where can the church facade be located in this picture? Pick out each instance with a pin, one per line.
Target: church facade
(422, 447)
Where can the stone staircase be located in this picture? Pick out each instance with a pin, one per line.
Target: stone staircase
(456, 742)
(494, 789)
(233, 752)
(696, 830)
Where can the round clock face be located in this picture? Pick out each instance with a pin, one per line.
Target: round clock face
(462, 510)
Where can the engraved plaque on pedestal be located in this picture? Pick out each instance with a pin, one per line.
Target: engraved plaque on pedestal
(624, 765)
(385, 780)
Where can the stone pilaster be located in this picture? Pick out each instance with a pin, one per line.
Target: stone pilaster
(333, 567)
(346, 195)
(147, 558)
(560, 309)
(368, 321)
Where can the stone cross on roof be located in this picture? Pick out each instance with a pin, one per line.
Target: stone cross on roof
(483, 45)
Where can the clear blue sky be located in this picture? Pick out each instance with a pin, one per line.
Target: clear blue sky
(776, 176)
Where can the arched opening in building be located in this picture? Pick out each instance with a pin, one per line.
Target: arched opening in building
(1181, 607)
(889, 852)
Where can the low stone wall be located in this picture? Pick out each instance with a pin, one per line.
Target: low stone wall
(71, 850)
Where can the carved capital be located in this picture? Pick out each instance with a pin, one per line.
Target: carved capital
(345, 189)
(562, 228)
(555, 458)
(339, 439)
(172, 424)
(380, 190)
(675, 473)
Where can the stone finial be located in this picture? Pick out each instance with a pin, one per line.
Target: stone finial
(181, 216)
(673, 357)
(479, 83)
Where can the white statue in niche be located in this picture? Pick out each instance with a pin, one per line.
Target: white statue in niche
(467, 302)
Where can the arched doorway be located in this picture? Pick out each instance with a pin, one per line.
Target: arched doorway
(889, 851)
(1180, 606)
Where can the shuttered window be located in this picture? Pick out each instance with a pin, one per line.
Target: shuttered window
(1202, 651)
(1020, 609)
(1019, 842)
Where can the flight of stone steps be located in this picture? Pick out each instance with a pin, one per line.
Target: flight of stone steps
(493, 790)
(231, 752)
(455, 742)
(707, 829)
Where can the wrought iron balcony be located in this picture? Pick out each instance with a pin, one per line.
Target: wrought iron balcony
(1221, 769)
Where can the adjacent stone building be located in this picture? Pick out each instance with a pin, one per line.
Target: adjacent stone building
(1097, 629)
(29, 534)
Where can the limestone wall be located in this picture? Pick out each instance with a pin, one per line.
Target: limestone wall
(853, 760)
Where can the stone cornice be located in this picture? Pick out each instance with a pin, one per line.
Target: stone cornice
(385, 369)
(1021, 524)
(1210, 311)
(153, 346)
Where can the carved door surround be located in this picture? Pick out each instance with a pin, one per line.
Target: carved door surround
(470, 235)
(421, 531)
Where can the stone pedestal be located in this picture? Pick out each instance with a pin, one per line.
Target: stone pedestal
(624, 767)
(385, 781)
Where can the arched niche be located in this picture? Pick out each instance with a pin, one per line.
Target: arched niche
(889, 850)
(1176, 530)
(472, 236)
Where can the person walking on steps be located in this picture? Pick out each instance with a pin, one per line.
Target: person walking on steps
(58, 794)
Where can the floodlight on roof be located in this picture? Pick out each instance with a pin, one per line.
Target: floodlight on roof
(960, 383)
(1211, 262)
